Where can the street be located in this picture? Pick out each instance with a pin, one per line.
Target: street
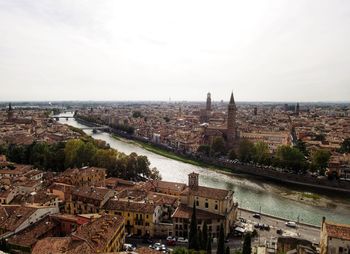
(303, 231)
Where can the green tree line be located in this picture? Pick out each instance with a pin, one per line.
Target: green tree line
(79, 153)
(295, 158)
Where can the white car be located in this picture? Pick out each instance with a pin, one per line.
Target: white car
(182, 240)
(291, 224)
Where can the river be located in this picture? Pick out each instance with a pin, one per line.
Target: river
(251, 192)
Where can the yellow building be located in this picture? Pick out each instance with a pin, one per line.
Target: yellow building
(85, 176)
(87, 200)
(215, 206)
(140, 217)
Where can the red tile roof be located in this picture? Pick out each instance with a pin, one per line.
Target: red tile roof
(206, 192)
(185, 212)
(340, 231)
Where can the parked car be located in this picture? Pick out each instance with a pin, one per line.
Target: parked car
(257, 215)
(242, 220)
(291, 224)
(129, 247)
(259, 226)
(266, 227)
(182, 240)
(147, 240)
(171, 241)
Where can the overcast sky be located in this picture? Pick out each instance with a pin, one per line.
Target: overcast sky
(152, 50)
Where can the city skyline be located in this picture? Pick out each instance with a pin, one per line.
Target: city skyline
(136, 51)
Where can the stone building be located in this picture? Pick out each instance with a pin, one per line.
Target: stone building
(215, 206)
(335, 238)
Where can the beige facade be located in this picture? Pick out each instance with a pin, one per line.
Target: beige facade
(213, 206)
(335, 238)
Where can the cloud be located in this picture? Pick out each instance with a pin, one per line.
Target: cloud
(153, 50)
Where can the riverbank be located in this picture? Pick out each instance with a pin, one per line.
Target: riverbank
(301, 196)
(265, 174)
(171, 155)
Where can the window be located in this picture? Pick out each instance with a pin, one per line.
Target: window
(197, 203)
(206, 205)
(128, 214)
(216, 206)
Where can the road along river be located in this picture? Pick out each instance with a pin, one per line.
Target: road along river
(289, 202)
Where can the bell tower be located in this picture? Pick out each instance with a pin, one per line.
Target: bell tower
(193, 181)
(208, 108)
(10, 112)
(231, 121)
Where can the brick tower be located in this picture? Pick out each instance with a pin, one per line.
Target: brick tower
(231, 122)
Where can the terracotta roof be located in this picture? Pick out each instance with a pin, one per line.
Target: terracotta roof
(207, 192)
(11, 217)
(185, 212)
(133, 194)
(30, 235)
(66, 245)
(119, 205)
(91, 192)
(174, 186)
(145, 250)
(162, 199)
(341, 231)
(98, 233)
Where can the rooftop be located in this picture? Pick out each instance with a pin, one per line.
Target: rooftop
(185, 212)
(341, 231)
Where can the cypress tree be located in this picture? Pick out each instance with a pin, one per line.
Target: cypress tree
(205, 235)
(200, 240)
(221, 241)
(247, 248)
(193, 236)
(209, 245)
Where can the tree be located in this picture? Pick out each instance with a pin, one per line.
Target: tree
(209, 245)
(320, 159)
(261, 153)
(217, 147)
(200, 240)
(290, 157)
(221, 241)
(205, 236)
(301, 146)
(246, 150)
(71, 152)
(204, 149)
(232, 154)
(193, 235)
(227, 251)
(136, 114)
(345, 146)
(247, 248)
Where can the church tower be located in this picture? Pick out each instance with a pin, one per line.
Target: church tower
(10, 113)
(193, 181)
(208, 108)
(231, 122)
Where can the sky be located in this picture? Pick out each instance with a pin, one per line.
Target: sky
(273, 50)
